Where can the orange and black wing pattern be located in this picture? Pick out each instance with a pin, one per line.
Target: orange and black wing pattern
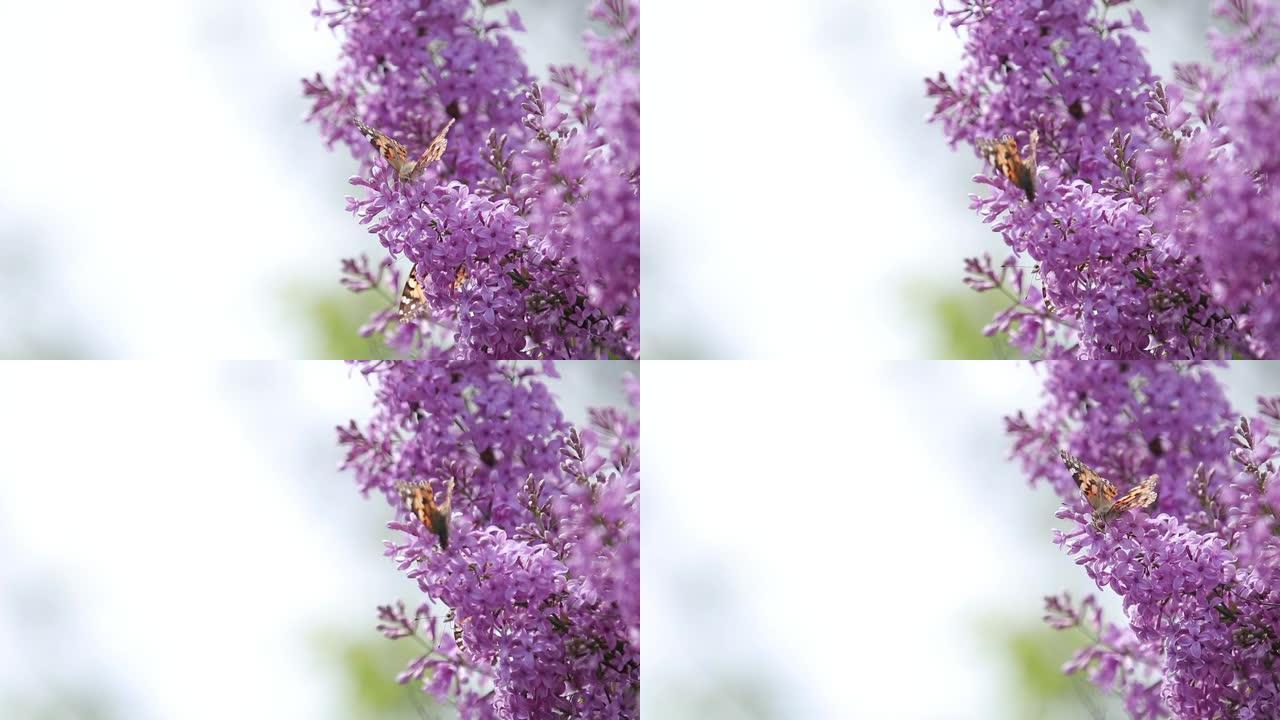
(1005, 157)
(393, 152)
(419, 499)
(413, 299)
(1142, 495)
(434, 151)
(1096, 489)
(1101, 494)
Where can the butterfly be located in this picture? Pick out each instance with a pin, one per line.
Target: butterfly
(1004, 157)
(397, 156)
(413, 299)
(419, 499)
(1101, 494)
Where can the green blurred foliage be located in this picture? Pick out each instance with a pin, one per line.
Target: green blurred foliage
(1033, 656)
(332, 318)
(368, 667)
(955, 319)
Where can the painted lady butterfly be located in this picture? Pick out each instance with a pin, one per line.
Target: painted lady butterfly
(413, 298)
(1004, 157)
(397, 156)
(419, 499)
(1101, 494)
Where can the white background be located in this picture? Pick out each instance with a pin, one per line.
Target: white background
(175, 538)
(847, 537)
(160, 195)
(795, 199)
(837, 532)
(831, 528)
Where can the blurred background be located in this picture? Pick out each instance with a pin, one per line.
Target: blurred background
(796, 202)
(848, 540)
(160, 195)
(819, 542)
(176, 541)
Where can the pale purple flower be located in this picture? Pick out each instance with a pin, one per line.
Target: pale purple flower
(1155, 227)
(526, 233)
(1197, 572)
(541, 578)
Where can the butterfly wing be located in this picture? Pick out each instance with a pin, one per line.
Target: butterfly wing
(1144, 495)
(420, 500)
(393, 152)
(410, 495)
(1025, 170)
(413, 299)
(1033, 143)
(433, 517)
(1004, 157)
(434, 151)
(991, 151)
(1096, 489)
(460, 278)
(457, 636)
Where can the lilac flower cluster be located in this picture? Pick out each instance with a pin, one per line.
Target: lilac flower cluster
(1199, 573)
(1155, 225)
(526, 235)
(533, 610)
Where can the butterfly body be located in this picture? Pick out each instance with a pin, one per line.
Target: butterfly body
(397, 155)
(1101, 494)
(1004, 156)
(419, 500)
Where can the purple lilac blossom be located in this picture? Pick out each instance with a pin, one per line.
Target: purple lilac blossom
(1197, 572)
(535, 204)
(1155, 231)
(541, 578)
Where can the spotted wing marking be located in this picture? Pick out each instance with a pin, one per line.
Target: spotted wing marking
(1096, 489)
(460, 277)
(1142, 495)
(397, 156)
(1004, 156)
(1101, 494)
(452, 618)
(419, 499)
(435, 150)
(457, 636)
(413, 298)
(393, 152)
